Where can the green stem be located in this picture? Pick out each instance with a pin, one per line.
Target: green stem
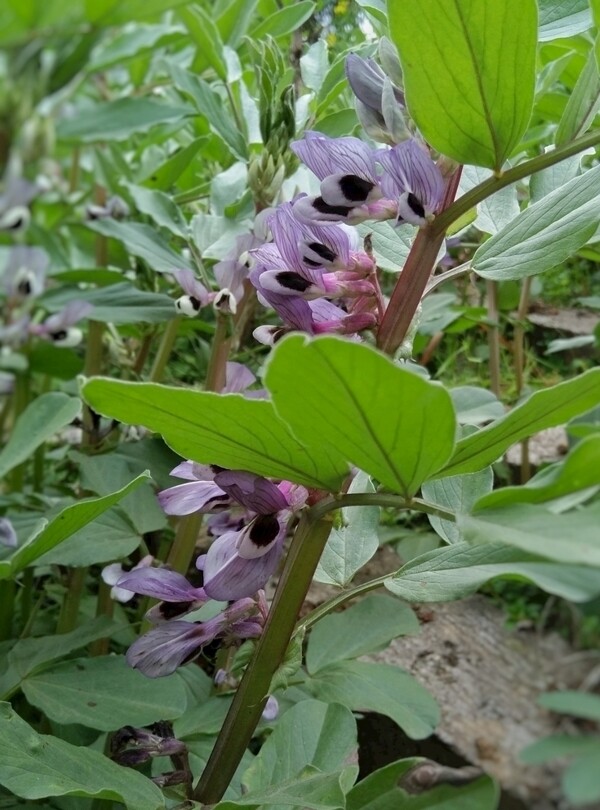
(105, 606)
(7, 606)
(20, 402)
(217, 363)
(336, 601)
(164, 350)
(381, 499)
(184, 544)
(411, 285)
(26, 596)
(493, 184)
(94, 350)
(305, 551)
(69, 611)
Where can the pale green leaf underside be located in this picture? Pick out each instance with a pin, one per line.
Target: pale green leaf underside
(227, 430)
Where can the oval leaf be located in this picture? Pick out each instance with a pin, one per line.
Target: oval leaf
(469, 73)
(347, 397)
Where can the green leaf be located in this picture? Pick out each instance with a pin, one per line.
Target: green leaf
(40, 420)
(117, 120)
(205, 34)
(209, 105)
(311, 733)
(459, 570)
(215, 235)
(380, 791)
(457, 493)
(160, 207)
(380, 688)
(283, 21)
(543, 409)
(311, 790)
(498, 209)
(558, 745)
(581, 780)
(142, 241)
(545, 234)
(363, 628)
(579, 704)
(353, 543)
(234, 21)
(109, 537)
(117, 303)
(563, 18)
(66, 523)
(56, 361)
(570, 538)
(104, 693)
(580, 469)
(131, 43)
(36, 765)
(391, 246)
(314, 65)
(228, 430)
(169, 172)
(474, 406)
(361, 406)
(32, 654)
(583, 103)
(469, 73)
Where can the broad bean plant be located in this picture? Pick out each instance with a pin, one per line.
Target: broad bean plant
(222, 223)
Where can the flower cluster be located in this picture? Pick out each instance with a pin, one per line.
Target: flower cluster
(244, 554)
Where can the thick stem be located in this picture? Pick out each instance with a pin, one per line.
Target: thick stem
(165, 348)
(413, 280)
(92, 367)
(105, 606)
(381, 499)
(338, 600)
(7, 605)
(184, 544)
(217, 363)
(248, 703)
(493, 317)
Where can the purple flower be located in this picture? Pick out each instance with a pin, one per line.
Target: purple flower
(238, 564)
(8, 535)
(14, 201)
(271, 709)
(379, 104)
(164, 648)
(111, 574)
(60, 327)
(25, 272)
(412, 177)
(232, 271)
(196, 295)
(202, 494)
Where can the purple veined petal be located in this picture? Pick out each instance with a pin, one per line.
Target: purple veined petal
(288, 233)
(164, 648)
(191, 286)
(67, 317)
(17, 191)
(184, 470)
(223, 522)
(410, 171)
(252, 491)
(237, 378)
(161, 583)
(295, 494)
(195, 496)
(266, 257)
(8, 535)
(229, 576)
(365, 77)
(325, 156)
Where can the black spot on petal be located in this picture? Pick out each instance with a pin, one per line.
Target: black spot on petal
(24, 287)
(195, 303)
(321, 250)
(293, 281)
(321, 206)
(415, 205)
(60, 335)
(355, 188)
(264, 530)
